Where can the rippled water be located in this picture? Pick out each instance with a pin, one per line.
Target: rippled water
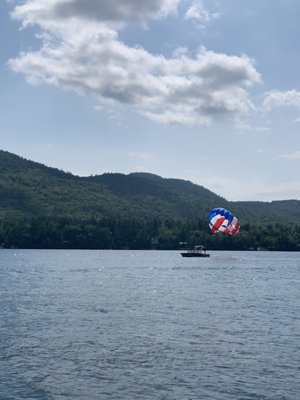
(138, 325)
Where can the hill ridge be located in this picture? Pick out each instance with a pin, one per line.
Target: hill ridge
(29, 188)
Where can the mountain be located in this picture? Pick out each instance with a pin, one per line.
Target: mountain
(29, 188)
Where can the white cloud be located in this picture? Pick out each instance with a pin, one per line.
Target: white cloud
(276, 98)
(242, 125)
(291, 156)
(234, 189)
(142, 155)
(81, 52)
(113, 12)
(198, 12)
(263, 129)
(245, 126)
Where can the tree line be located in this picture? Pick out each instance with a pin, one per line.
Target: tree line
(110, 233)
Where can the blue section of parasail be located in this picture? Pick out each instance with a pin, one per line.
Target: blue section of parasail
(222, 212)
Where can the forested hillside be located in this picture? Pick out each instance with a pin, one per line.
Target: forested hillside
(28, 188)
(47, 207)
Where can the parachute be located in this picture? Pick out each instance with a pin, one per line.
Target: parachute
(221, 220)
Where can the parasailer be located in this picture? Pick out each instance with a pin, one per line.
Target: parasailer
(222, 220)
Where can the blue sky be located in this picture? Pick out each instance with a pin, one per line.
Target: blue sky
(207, 91)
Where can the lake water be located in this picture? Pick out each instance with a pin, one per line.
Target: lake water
(139, 325)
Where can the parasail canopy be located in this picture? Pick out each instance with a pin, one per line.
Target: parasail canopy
(222, 220)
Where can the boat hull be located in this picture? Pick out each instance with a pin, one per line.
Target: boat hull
(194, 254)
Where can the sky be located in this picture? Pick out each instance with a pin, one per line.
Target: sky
(207, 91)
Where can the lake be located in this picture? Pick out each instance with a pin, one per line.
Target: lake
(139, 325)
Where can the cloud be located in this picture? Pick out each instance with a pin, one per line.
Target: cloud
(291, 156)
(113, 14)
(142, 155)
(116, 10)
(81, 51)
(232, 188)
(198, 12)
(245, 126)
(276, 98)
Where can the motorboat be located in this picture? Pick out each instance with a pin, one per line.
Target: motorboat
(197, 251)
